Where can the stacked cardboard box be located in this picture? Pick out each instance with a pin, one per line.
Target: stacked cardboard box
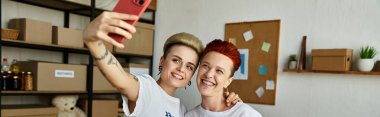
(102, 107)
(67, 37)
(33, 31)
(141, 42)
(100, 83)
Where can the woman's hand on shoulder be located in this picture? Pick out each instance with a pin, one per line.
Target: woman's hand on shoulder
(232, 98)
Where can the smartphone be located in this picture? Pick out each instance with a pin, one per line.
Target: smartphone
(132, 7)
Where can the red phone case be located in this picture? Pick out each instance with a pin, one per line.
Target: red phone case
(133, 7)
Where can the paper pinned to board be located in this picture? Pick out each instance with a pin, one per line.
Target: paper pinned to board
(265, 47)
(269, 85)
(248, 35)
(263, 70)
(232, 40)
(242, 72)
(260, 92)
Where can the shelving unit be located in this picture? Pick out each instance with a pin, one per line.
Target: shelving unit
(68, 8)
(331, 72)
(42, 92)
(75, 8)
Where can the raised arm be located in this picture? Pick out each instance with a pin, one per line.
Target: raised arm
(95, 34)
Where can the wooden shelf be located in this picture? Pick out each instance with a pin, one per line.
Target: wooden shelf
(55, 92)
(23, 106)
(60, 48)
(50, 47)
(40, 92)
(105, 92)
(77, 8)
(62, 5)
(332, 72)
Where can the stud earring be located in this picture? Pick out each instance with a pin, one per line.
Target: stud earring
(188, 85)
(159, 70)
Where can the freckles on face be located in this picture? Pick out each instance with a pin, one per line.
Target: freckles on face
(213, 73)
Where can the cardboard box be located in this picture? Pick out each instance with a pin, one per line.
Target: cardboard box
(30, 112)
(103, 108)
(109, 46)
(141, 42)
(135, 68)
(100, 83)
(33, 31)
(152, 5)
(376, 68)
(56, 77)
(67, 37)
(331, 59)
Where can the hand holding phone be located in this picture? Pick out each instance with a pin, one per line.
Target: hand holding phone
(131, 7)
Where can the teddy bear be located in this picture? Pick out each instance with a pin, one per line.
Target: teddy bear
(66, 106)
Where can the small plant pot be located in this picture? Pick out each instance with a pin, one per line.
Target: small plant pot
(292, 65)
(365, 65)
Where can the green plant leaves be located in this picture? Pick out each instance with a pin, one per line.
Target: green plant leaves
(293, 57)
(367, 52)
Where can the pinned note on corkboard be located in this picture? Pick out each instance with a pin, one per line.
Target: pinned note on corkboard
(258, 44)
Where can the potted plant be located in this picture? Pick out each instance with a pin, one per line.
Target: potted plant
(366, 61)
(292, 61)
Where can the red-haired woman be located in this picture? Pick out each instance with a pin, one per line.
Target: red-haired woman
(219, 62)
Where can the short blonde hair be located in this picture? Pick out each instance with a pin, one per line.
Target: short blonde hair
(184, 39)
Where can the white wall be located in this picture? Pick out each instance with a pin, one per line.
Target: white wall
(327, 23)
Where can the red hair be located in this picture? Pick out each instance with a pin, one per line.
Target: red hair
(226, 48)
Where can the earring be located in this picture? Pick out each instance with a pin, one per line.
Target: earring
(159, 70)
(188, 85)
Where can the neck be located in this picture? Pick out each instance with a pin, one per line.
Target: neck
(168, 89)
(214, 103)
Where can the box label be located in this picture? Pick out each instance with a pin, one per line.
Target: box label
(64, 73)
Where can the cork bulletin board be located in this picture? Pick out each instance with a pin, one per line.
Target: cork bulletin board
(258, 43)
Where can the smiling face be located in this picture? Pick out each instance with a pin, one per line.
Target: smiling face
(178, 66)
(214, 74)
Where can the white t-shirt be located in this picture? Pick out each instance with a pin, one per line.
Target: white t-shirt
(153, 101)
(239, 110)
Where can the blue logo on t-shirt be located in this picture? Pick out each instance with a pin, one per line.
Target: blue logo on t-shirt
(168, 114)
